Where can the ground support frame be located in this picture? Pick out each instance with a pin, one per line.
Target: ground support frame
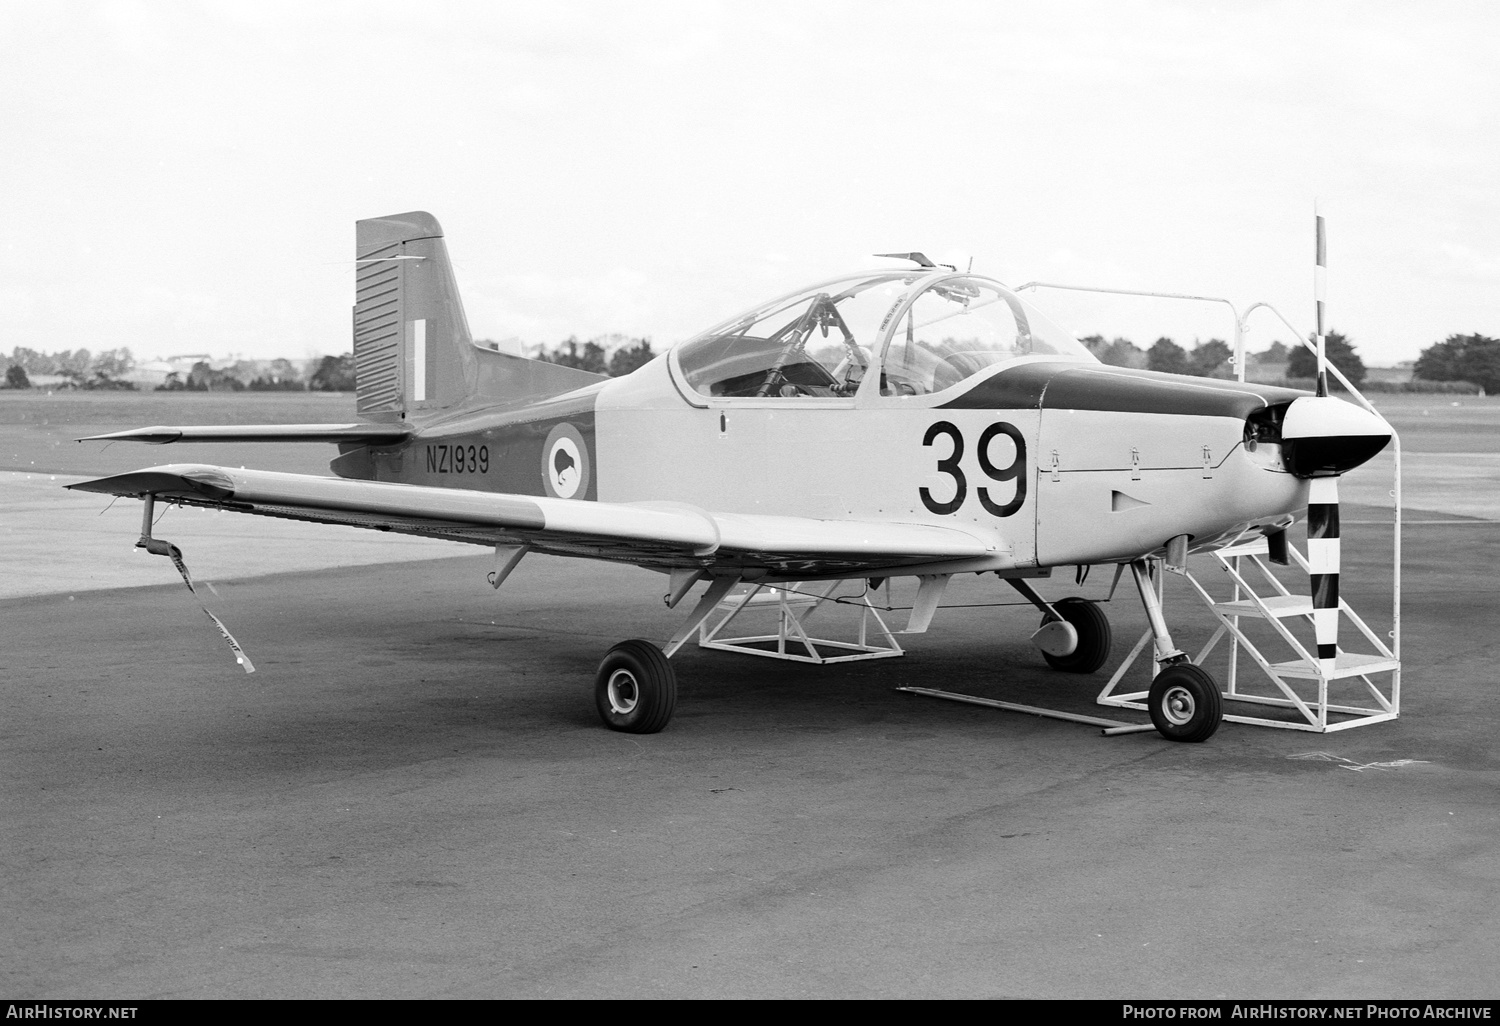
(794, 604)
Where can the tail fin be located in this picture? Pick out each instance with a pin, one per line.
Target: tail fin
(412, 350)
(413, 356)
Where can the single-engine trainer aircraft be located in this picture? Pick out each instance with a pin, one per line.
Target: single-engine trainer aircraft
(917, 422)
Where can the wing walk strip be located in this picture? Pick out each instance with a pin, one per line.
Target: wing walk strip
(626, 531)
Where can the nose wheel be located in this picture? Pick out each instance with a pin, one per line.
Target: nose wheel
(1185, 703)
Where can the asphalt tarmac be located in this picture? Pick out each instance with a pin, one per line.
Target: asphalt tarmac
(413, 796)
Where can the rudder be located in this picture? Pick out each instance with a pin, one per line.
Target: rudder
(413, 355)
(412, 350)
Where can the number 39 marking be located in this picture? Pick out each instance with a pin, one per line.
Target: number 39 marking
(1014, 471)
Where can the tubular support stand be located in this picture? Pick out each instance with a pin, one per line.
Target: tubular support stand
(793, 605)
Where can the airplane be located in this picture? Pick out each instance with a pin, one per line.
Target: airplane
(900, 422)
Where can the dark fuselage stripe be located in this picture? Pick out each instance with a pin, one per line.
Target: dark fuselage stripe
(503, 454)
(1071, 386)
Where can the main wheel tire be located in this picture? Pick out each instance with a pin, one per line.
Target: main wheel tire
(635, 689)
(1094, 636)
(1185, 703)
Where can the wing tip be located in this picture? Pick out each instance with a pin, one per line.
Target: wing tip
(159, 434)
(206, 481)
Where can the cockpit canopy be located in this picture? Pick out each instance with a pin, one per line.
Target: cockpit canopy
(925, 332)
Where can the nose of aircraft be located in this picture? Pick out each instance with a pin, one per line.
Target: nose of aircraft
(1321, 435)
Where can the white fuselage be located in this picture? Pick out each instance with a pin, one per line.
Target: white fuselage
(1092, 485)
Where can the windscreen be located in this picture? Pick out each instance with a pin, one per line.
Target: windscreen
(817, 342)
(823, 341)
(957, 327)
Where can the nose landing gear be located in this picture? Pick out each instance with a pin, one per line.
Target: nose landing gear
(1184, 701)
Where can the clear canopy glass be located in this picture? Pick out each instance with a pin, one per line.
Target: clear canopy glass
(925, 332)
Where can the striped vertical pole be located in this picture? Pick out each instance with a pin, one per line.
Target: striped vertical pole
(1323, 567)
(1320, 295)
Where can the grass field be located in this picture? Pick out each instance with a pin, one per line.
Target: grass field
(38, 429)
(57, 541)
(1443, 423)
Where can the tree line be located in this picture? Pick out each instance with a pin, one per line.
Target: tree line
(613, 355)
(1464, 362)
(596, 356)
(81, 368)
(112, 368)
(1459, 363)
(1215, 358)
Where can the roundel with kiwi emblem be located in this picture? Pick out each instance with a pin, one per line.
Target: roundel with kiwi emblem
(565, 463)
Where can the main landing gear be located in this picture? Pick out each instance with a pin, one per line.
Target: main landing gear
(1094, 637)
(1074, 636)
(635, 688)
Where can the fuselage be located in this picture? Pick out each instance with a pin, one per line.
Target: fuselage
(1058, 461)
(906, 396)
(921, 396)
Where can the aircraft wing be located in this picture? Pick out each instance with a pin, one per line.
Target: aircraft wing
(364, 434)
(661, 535)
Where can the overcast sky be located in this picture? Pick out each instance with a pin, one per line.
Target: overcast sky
(184, 177)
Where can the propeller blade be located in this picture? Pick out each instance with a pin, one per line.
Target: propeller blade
(1323, 567)
(1320, 295)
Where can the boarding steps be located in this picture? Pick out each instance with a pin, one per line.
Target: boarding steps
(1299, 682)
(794, 605)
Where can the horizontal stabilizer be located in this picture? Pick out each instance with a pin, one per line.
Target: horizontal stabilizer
(365, 434)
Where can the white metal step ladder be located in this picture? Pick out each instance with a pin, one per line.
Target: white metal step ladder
(1299, 683)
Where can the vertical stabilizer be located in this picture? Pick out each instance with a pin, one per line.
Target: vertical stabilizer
(412, 351)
